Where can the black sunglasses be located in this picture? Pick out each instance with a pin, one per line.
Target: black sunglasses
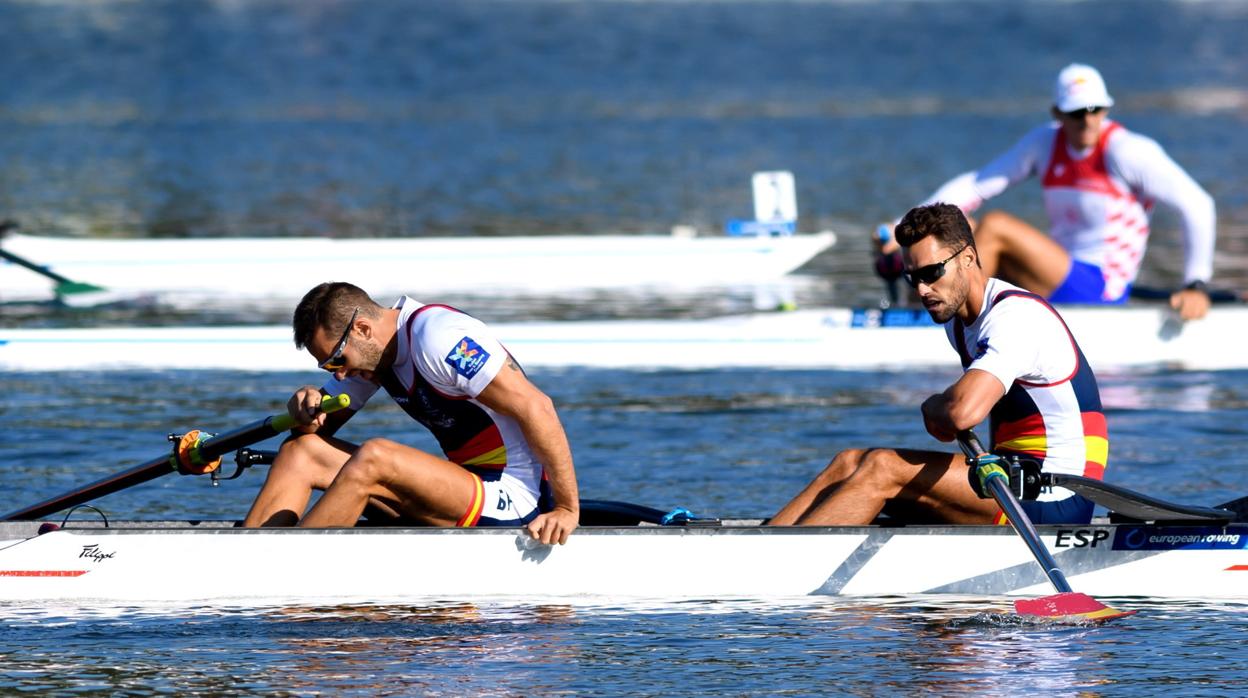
(1081, 114)
(335, 360)
(931, 273)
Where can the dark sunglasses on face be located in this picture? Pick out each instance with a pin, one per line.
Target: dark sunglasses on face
(930, 273)
(1081, 114)
(336, 360)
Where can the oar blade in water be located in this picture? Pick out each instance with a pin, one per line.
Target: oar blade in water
(1068, 606)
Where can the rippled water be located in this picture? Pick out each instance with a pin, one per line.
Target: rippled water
(817, 646)
(724, 443)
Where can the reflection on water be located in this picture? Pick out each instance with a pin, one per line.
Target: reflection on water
(1181, 391)
(506, 647)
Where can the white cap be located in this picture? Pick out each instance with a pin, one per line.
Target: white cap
(1079, 87)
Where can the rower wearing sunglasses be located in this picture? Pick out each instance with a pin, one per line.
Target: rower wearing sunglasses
(1022, 369)
(1100, 184)
(505, 461)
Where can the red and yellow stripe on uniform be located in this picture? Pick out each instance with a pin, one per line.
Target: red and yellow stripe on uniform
(485, 450)
(473, 515)
(1028, 437)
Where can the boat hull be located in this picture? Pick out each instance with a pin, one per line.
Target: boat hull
(173, 561)
(181, 272)
(837, 338)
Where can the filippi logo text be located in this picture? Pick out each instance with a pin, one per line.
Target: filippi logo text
(92, 552)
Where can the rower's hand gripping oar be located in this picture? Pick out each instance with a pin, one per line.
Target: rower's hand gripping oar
(195, 453)
(1066, 603)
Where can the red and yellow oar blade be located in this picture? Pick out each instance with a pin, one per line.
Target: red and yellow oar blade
(1068, 606)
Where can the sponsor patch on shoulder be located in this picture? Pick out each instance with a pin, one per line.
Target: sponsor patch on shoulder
(467, 357)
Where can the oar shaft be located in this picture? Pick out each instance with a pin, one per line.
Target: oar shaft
(113, 483)
(1216, 295)
(210, 449)
(999, 487)
(38, 269)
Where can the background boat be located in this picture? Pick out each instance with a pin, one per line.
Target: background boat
(835, 338)
(182, 272)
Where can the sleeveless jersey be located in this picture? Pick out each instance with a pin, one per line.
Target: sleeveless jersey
(1097, 220)
(445, 359)
(1051, 410)
(1099, 203)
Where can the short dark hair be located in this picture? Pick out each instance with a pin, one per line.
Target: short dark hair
(945, 222)
(329, 306)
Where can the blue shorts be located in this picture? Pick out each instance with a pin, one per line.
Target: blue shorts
(1085, 284)
(1072, 510)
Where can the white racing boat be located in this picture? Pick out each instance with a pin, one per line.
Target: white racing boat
(609, 556)
(182, 272)
(185, 272)
(622, 550)
(836, 338)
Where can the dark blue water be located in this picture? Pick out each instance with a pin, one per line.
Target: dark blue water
(472, 118)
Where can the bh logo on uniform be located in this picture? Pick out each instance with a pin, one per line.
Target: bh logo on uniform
(467, 357)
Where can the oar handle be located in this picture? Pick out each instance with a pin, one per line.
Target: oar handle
(329, 404)
(195, 456)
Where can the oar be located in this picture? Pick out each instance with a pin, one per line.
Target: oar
(194, 455)
(1217, 296)
(1066, 604)
(68, 290)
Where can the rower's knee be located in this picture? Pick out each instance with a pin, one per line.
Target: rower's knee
(371, 463)
(296, 454)
(293, 446)
(884, 468)
(843, 465)
(992, 226)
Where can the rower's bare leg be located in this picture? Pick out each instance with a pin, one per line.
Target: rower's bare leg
(1019, 253)
(304, 463)
(924, 481)
(824, 484)
(418, 485)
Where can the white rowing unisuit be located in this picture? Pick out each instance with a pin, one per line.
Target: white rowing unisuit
(1102, 216)
(445, 358)
(1051, 409)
